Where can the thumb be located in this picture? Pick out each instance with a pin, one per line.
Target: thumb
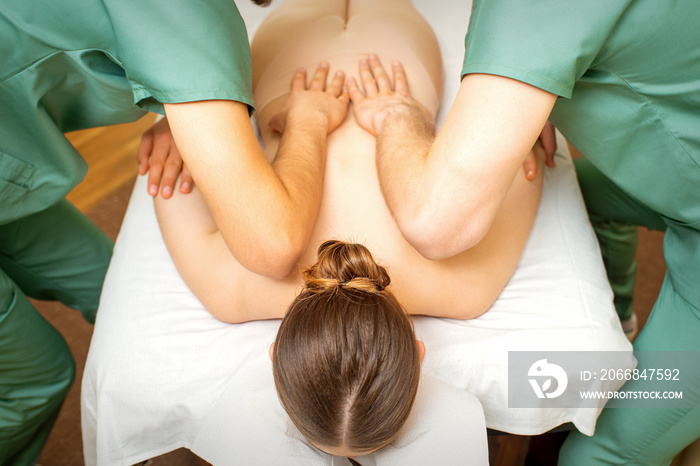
(277, 122)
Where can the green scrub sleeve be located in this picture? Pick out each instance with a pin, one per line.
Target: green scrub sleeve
(182, 51)
(549, 44)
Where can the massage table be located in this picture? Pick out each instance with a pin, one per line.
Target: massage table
(162, 373)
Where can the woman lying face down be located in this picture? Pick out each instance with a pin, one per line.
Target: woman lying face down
(346, 361)
(352, 206)
(330, 37)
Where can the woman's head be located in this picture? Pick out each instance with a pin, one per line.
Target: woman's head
(346, 362)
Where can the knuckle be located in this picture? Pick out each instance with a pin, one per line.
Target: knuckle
(157, 159)
(172, 162)
(162, 138)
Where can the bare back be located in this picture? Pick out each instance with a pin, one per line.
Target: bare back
(301, 33)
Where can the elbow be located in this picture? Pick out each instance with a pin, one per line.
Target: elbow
(284, 268)
(277, 258)
(457, 305)
(468, 314)
(273, 254)
(432, 246)
(471, 310)
(225, 303)
(437, 239)
(228, 314)
(287, 254)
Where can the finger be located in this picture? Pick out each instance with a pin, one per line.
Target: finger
(354, 91)
(161, 149)
(549, 143)
(400, 81)
(171, 171)
(299, 80)
(336, 85)
(154, 174)
(380, 76)
(344, 97)
(318, 81)
(367, 79)
(144, 152)
(530, 166)
(186, 182)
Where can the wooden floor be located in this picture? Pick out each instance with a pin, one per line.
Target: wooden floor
(110, 153)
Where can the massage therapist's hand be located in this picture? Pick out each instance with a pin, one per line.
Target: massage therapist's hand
(328, 101)
(381, 100)
(159, 156)
(547, 144)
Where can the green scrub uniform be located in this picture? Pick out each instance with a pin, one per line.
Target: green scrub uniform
(628, 76)
(68, 66)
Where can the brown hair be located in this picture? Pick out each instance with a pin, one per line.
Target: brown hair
(345, 360)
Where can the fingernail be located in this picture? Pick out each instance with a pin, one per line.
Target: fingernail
(372, 56)
(351, 80)
(153, 190)
(185, 186)
(364, 61)
(339, 73)
(530, 174)
(301, 70)
(323, 64)
(167, 191)
(397, 64)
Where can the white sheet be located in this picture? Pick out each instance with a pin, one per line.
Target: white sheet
(159, 363)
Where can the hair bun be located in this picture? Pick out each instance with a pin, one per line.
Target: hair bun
(342, 265)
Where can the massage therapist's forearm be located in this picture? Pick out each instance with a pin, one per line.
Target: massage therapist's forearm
(423, 194)
(402, 148)
(423, 197)
(445, 195)
(265, 213)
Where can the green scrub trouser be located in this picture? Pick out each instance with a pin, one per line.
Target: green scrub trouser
(641, 436)
(618, 245)
(55, 254)
(615, 217)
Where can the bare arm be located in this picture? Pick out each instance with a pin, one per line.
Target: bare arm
(225, 288)
(264, 212)
(444, 193)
